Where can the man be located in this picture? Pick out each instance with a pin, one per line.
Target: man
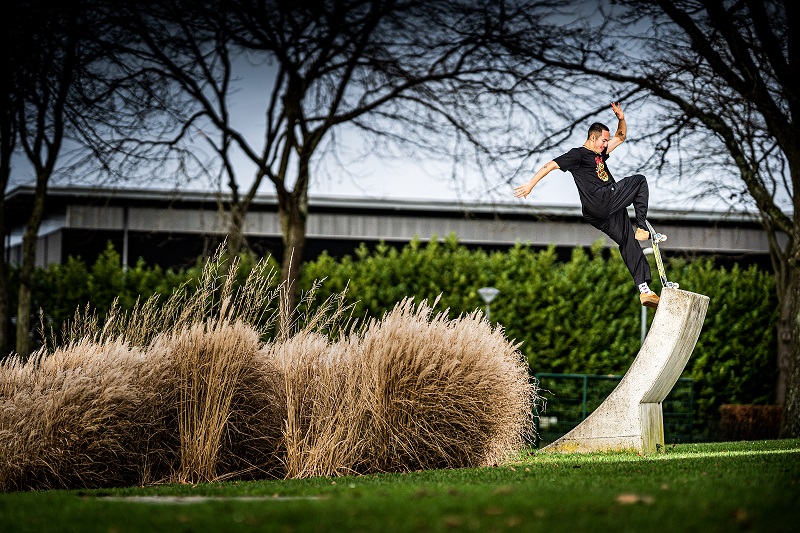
(604, 200)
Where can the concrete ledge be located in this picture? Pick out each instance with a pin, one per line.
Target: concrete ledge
(631, 417)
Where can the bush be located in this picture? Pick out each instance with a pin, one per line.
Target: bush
(750, 422)
(148, 394)
(734, 360)
(61, 289)
(186, 390)
(413, 391)
(579, 316)
(87, 414)
(582, 316)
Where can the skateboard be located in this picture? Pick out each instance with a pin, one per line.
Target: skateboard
(656, 238)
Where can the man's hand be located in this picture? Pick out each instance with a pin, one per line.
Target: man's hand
(622, 128)
(615, 107)
(523, 190)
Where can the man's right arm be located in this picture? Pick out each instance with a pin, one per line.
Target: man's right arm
(524, 190)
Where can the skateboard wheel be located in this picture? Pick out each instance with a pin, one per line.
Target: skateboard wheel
(663, 237)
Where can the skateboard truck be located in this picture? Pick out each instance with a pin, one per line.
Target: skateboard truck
(656, 238)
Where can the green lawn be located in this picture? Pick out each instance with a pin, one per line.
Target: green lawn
(747, 486)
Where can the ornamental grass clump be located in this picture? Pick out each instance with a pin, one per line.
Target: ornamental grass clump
(228, 403)
(309, 386)
(87, 415)
(411, 391)
(169, 391)
(445, 393)
(190, 390)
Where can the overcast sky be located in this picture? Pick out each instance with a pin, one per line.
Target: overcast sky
(429, 180)
(348, 173)
(409, 176)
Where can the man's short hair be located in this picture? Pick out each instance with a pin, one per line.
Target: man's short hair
(597, 129)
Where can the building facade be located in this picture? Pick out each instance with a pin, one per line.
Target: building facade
(173, 228)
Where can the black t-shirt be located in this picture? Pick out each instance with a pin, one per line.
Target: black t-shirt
(591, 176)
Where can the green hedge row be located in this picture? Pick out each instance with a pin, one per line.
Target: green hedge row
(579, 316)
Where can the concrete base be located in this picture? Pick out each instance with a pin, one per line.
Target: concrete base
(631, 417)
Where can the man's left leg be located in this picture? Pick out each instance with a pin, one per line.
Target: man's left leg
(632, 190)
(619, 228)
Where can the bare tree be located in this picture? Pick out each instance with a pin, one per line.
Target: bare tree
(8, 143)
(423, 74)
(722, 70)
(42, 73)
(58, 82)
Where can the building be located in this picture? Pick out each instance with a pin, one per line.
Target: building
(172, 228)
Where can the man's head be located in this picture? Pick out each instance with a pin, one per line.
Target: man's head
(599, 135)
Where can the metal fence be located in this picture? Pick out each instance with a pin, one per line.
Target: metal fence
(572, 397)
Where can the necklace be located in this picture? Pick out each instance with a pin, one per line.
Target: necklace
(592, 149)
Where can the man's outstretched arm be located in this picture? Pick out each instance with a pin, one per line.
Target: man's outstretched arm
(622, 129)
(524, 190)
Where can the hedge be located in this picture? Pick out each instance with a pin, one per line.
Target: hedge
(581, 316)
(578, 316)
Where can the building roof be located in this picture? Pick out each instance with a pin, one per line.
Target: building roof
(367, 219)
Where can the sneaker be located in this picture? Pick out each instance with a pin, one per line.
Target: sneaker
(649, 299)
(642, 234)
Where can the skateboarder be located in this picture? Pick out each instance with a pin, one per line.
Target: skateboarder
(604, 200)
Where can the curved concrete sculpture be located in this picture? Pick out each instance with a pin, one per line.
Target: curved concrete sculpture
(631, 417)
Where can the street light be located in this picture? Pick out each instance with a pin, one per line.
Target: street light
(488, 294)
(646, 251)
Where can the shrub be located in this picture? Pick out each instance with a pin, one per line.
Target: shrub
(440, 393)
(188, 390)
(580, 316)
(734, 359)
(212, 359)
(412, 391)
(97, 411)
(87, 415)
(750, 422)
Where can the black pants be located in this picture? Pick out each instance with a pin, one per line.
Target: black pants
(616, 224)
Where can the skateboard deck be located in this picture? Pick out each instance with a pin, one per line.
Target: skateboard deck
(656, 238)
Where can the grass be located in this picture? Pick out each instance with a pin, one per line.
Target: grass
(188, 398)
(198, 389)
(413, 391)
(747, 486)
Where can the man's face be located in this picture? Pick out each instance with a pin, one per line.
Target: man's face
(600, 142)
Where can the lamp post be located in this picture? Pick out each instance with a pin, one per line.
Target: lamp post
(488, 294)
(647, 251)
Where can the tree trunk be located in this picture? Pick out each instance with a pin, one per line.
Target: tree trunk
(3, 284)
(29, 241)
(784, 339)
(236, 241)
(789, 352)
(8, 143)
(293, 216)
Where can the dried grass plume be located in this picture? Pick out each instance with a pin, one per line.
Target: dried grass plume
(196, 388)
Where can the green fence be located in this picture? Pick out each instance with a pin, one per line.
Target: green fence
(573, 397)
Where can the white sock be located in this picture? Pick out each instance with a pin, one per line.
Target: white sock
(644, 289)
